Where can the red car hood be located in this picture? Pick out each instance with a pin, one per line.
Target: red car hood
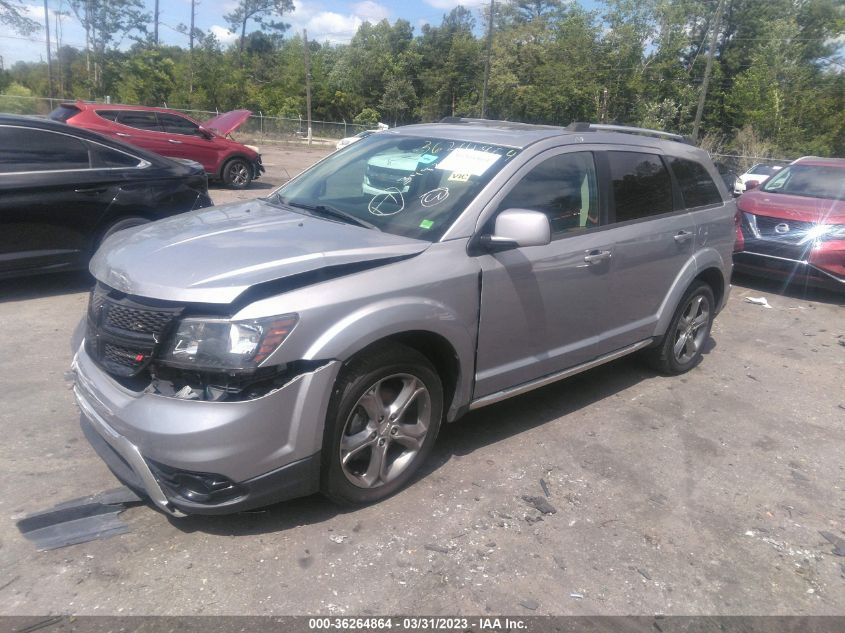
(787, 207)
(227, 122)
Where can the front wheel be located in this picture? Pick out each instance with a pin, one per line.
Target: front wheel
(680, 348)
(383, 420)
(237, 174)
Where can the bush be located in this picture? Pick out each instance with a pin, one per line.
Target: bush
(14, 100)
(368, 117)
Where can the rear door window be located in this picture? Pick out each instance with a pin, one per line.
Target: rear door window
(140, 119)
(177, 125)
(697, 186)
(26, 149)
(641, 185)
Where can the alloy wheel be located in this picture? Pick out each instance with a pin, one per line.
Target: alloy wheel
(385, 430)
(691, 329)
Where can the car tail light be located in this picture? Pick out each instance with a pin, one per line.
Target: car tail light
(739, 242)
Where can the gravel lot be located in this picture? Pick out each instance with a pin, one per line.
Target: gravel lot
(703, 494)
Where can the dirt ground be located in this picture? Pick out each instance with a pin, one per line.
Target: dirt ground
(703, 494)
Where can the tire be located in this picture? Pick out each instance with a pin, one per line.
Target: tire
(237, 173)
(120, 225)
(364, 458)
(680, 348)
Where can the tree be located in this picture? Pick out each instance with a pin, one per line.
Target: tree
(261, 12)
(106, 23)
(12, 15)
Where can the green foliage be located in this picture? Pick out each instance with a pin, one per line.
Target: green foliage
(12, 16)
(368, 117)
(14, 100)
(777, 84)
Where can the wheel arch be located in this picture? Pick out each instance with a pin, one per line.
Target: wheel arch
(227, 159)
(706, 266)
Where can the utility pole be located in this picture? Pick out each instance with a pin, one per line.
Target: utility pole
(307, 81)
(49, 53)
(191, 50)
(155, 26)
(713, 36)
(487, 62)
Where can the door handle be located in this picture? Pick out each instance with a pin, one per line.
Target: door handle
(594, 257)
(174, 141)
(683, 236)
(91, 192)
(122, 134)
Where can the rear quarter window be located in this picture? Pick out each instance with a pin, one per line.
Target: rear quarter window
(695, 182)
(641, 185)
(110, 115)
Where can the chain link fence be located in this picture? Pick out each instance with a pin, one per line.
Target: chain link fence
(257, 128)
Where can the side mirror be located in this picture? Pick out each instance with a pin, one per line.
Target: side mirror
(519, 228)
(752, 184)
(205, 132)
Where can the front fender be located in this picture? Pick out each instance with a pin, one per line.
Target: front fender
(389, 317)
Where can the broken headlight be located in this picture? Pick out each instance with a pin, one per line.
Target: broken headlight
(220, 344)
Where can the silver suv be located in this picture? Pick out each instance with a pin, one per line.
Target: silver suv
(316, 339)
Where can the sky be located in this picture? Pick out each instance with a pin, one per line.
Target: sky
(334, 21)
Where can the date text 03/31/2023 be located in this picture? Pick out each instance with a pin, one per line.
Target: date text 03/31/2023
(415, 624)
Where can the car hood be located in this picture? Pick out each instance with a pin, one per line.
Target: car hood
(227, 122)
(788, 207)
(213, 255)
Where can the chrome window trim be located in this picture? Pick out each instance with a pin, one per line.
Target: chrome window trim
(142, 163)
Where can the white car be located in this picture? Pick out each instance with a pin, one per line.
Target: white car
(759, 173)
(351, 139)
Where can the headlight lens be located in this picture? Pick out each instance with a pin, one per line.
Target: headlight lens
(215, 344)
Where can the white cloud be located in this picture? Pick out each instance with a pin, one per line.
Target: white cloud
(223, 35)
(371, 11)
(331, 26)
(448, 5)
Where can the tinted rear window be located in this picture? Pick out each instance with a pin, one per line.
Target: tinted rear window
(107, 157)
(641, 185)
(27, 149)
(696, 184)
(63, 113)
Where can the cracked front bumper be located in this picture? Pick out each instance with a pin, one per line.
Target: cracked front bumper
(268, 448)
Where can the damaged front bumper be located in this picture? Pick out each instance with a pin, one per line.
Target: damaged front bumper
(200, 457)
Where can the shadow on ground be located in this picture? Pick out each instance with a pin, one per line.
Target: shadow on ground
(476, 430)
(40, 286)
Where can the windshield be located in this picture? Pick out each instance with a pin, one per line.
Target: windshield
(762, 170)
(811, 181)
(410, 186)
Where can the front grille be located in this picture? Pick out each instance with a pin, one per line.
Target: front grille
(123, 334)
(787, 231)
(135, 320)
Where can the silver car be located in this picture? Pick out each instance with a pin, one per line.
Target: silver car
(316, 339)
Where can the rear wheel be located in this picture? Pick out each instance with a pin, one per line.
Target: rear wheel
(237, 173)
(680, 348)
(383, 420)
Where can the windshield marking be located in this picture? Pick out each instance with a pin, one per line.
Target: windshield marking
(435, 196)
(390, 196)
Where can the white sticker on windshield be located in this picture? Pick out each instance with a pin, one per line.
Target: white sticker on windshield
(468, 161)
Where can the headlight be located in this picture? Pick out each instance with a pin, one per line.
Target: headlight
(215, 344)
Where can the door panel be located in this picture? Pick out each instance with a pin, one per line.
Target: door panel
(185, 141)
(545, 308)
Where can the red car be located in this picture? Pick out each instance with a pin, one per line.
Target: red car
(794, 224)
(171, 133)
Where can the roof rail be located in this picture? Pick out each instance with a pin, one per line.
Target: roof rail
(602, 127)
